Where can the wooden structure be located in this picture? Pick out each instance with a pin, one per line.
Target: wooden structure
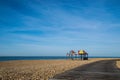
(71, 54)
(83, 55)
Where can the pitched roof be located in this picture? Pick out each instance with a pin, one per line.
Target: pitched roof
(81, 52)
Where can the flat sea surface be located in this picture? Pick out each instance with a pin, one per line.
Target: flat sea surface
(9, 58)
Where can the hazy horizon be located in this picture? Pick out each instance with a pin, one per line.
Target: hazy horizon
(54, 27)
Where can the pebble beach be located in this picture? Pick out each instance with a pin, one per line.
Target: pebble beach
(39, 69)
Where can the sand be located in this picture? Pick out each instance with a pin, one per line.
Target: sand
(118, 64)
(39, 69)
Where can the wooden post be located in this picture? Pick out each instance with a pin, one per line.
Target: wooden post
(81, 56)
(72, 56)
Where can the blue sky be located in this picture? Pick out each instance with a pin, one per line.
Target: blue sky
(54, 27)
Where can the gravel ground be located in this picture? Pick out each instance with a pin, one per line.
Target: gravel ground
(100, 70)
(38, 69)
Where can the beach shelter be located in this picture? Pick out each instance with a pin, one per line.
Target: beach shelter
(71, 54)
(83, 54)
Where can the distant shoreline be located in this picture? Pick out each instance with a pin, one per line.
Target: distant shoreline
(11, 58)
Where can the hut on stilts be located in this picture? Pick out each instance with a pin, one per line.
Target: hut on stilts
(82, 54)
(71, 54)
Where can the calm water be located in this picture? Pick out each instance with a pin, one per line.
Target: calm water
(9, 58)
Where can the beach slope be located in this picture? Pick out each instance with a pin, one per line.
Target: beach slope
(100, 70)
(39, 69)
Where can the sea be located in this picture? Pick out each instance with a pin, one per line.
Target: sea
(10, 58)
